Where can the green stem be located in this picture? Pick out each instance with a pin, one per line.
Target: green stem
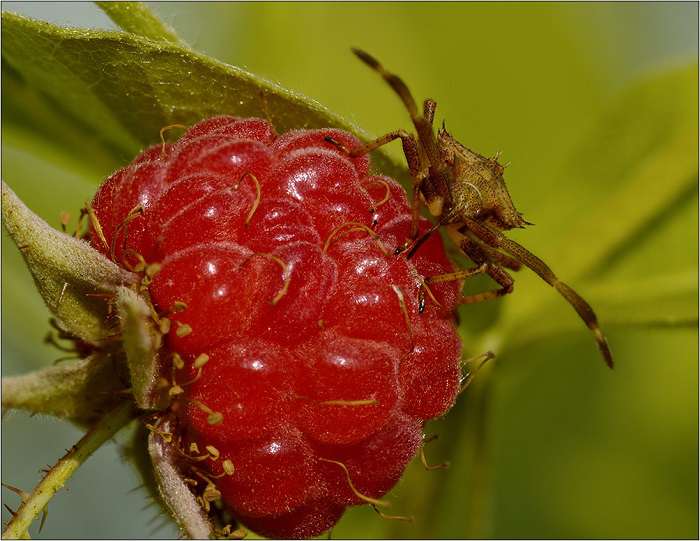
(478, 507)
(137, 18)
(57, 476)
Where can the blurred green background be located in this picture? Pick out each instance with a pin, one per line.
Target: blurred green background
(584, 100)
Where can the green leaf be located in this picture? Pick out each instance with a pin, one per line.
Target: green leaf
(136, 18)
(141, 341)
(72, 277)
(26, 109)
(663, 176)
(150, 85)
(79, 390)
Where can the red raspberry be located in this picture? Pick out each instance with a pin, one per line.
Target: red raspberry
(296, 334)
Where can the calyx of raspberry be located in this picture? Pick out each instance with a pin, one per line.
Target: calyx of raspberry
(72, 277)
(76, 283)
(300, 356)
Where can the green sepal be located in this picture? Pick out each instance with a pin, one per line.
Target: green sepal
(75, 280)
(79, 390)
(174, 492)
(141, 341)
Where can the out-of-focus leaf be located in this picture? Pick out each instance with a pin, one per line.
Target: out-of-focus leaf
(597, 446)
(471, 58)
(665, 175)
(128, 88)
(653, 158)
(71, 276)
(667, 300)
(614, 162)
(79, 390)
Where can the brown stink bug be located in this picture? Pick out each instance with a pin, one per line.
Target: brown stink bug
(467, 194)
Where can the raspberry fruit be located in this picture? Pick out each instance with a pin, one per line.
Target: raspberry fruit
(302, 365)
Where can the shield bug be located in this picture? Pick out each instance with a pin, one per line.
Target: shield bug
(466, 193)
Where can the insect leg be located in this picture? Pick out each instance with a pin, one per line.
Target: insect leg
(502, 259)
(408, 143)
(485, 265)
(394, 81)
(473, 365)
(457, 275)
(539, 267)
(418, 172)
(477, 254)
(469, 244)
(414, 161)
(414, 242)
(501, 277)
(429, 106)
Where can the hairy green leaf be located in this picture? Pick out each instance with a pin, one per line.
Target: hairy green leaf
(126, 88)
(72, 277)
(26, 109)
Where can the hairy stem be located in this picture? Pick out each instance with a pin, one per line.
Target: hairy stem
(137, 18)
(57, 476)
(479, 494)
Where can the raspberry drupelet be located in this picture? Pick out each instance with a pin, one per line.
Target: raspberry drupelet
(301, 365)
